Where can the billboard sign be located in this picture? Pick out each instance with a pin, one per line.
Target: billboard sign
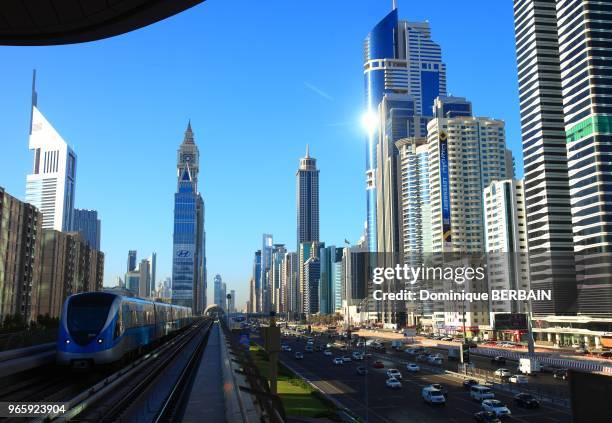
(445, 190)
(510, 321)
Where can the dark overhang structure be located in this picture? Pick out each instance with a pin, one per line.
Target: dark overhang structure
(52, 22)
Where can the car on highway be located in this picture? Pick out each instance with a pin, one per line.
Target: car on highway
(518, 379)
(481, 392)
(327, 352)
(412, 367)
(560, 374)
(526, 400)
(378, 364)
(468, 383)
(286, 348)
(346, 359)
(308, 348)
(362, 370)
(422, 358)
(393, 383)
(298, 355)
(357, 355)
(433, 395)
(394, 373)
(496, 406)
(486, 417)
(606, 354)
(329, 345)
(338, 360)
(503, 373)
(440, 388)
(498, 360)
(435, 360)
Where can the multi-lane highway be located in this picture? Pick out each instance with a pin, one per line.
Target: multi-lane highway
(368, 397)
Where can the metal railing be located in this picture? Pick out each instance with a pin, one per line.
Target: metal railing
(270, 404)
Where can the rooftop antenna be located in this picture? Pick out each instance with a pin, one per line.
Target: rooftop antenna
(394, 5)
(34, 99)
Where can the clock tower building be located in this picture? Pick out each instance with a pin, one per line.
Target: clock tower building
(189, 238)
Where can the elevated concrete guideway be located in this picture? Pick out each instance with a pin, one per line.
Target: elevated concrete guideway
(53, 22)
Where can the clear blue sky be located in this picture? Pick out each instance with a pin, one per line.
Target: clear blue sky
(259, 80)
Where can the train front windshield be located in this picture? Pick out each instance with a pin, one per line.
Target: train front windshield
(86, 316)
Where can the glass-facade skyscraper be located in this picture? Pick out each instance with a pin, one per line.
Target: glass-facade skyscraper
(87, 223)
(400, 59)
(188, 259)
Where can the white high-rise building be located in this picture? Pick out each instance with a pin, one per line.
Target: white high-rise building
(50, 186)
(465, 155)
(506, 241)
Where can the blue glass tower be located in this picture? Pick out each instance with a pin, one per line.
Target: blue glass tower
(189, 261)
(400, 60)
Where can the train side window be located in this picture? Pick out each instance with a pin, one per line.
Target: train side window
(118, 324)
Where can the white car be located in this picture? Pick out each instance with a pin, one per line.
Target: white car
(393, 383)
(394, 374)
(495, 406)
(433, 395)
(346, 359)
(338, 360)
(357, 355)
(411, 367)
(327, 352)
(503, 373)
(519, 379)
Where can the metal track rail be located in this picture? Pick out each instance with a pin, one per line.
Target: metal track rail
(107, 400)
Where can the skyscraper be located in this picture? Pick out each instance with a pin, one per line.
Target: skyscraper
(290, 282)
(231, 303)
(131, 260)
(144, 282)
(276, 273)
(330, 257)
(87, 223)
(399, 58)
(307, 191)
(266, 276)
(312, 278)
(189, 262)
(585, 52)
(218, 290)
(416, 208)
(256, 300)
(506, 242)
(153, 265)
(50, 186)
(547, 195)
(563, 55)
(465, 154)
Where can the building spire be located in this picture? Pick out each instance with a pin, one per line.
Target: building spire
(188, 134)
(394, 5)
(34, 99)
(307, 151)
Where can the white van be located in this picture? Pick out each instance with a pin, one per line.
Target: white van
(479, 392)
(433, 395)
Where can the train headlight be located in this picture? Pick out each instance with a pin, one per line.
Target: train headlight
(99, 341)
(67, 341)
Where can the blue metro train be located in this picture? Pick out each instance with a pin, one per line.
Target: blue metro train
(102, 327)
